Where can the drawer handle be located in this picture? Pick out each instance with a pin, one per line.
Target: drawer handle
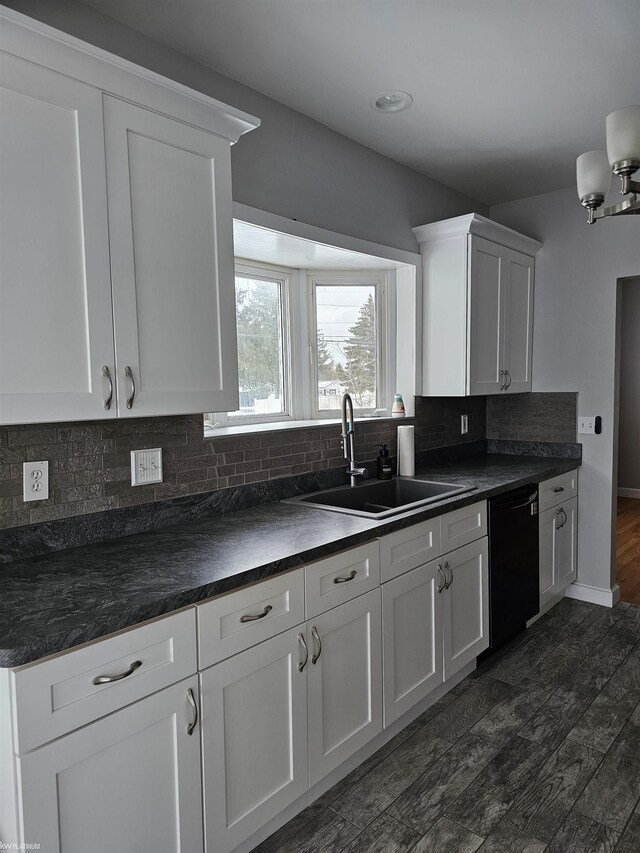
(558, 489)
(107, 679)
(251, 617)
(349, 577)
(316, 656)
(194, 705)
(305, 649)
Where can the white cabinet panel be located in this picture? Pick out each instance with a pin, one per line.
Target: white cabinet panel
(170, 220)
(254, 723)
(466, 606)
(129, 781)
(567, 544)
(518, 326)
(486, 316)
(558, 489)
(548, 580)
(341, 577)
(344, 682)
(55, 300)
(409, 548)
(412, 639)
(463, 525)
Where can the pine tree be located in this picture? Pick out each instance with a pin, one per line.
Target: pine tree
(358, 375)
(258, 318)
(326, 364)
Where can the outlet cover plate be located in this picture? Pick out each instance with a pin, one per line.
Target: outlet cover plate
(35, 481)
(146, 466)
(464, 424)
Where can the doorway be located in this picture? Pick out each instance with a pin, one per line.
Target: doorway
(628, 491)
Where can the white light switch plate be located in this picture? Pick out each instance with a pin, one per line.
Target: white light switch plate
(464, 424)
(35, 481)
(146, 466)
(587, 425)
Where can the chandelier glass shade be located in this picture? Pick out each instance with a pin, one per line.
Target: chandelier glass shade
(594, 169)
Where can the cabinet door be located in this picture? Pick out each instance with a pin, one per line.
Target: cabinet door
(344, 682)
(466, 606)
(170, 221)
(254, 723)
(55, 295)
(548, 580)
(129, 781)
(412, 644)
(518, 326)
(486, 316)
(565, 551)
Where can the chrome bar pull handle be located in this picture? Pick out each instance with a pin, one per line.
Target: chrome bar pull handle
(194, 706)
(251, 617)
(316, 636)
(129, 374)
(302, 642)
(107, 375)
(349, 577)
(449, 569)
(108, 679)
(444, 578)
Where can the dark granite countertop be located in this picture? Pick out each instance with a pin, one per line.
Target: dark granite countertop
(53, 602)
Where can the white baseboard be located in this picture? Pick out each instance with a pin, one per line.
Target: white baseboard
(629, 493)
(594, 594)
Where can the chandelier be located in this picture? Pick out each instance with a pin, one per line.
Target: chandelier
(594, 169)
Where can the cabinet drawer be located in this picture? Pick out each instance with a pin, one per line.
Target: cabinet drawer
(234, 622)
(341, 577)
(409, 548)
(463, 526)
(558, 489)
(59, 695)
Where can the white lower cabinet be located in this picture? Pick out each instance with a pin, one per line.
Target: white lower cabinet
(558, 549)
(344, 682)
(130, 781)
(413, 638)
(466, 605)
(254, 723)
(280, 716)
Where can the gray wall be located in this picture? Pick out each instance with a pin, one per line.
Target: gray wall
(629, 423)
(574, 343)
(291, 165)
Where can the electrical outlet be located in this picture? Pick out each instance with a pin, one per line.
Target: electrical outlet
(146, 466)
(587, 425)
(464, 424)
(35, 481)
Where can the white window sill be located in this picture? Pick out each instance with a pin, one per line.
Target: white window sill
(249, 429)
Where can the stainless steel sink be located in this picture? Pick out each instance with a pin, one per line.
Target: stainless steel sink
(381, 498)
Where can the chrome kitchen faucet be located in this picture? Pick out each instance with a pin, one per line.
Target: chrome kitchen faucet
(348, 440)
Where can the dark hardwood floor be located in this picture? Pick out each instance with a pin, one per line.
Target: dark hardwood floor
(628, 549)
(537, 750)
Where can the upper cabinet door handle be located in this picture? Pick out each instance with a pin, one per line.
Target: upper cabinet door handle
(107, 375)
(349, 577)
(129, 374)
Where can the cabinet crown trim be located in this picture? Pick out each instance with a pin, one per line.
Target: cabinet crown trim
(44, 45)
(473, 223)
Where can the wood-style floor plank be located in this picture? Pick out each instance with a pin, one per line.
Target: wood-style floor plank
(628, 549)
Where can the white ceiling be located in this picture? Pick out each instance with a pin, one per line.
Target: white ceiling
(252, 242)
(506, 92)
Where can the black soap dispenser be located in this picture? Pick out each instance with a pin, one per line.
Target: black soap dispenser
(384, 463)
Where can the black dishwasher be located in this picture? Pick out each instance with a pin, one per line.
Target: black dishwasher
(513, 563)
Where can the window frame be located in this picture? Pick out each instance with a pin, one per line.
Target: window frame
(378, 279)
(282, 276)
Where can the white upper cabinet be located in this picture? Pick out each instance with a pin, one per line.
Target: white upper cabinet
(116, 267)
(170, 226)
(56, 332)
(477, 307)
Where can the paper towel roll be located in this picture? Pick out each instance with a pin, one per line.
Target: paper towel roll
(406, 451)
